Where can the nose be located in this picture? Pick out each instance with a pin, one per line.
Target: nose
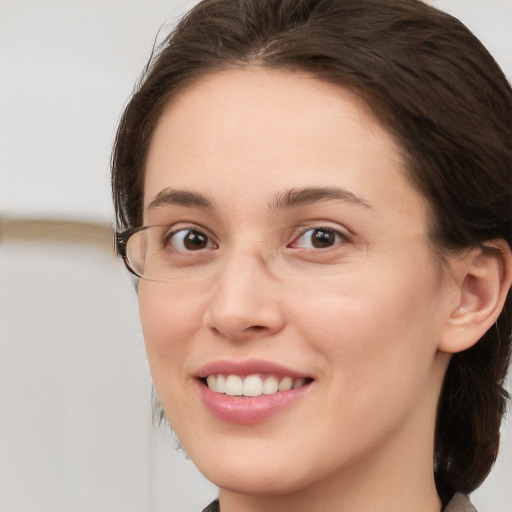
(245, 300)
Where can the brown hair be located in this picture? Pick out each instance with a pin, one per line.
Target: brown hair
(435, 87)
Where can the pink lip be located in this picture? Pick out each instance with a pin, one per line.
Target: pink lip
(248, 367)
(247, 410)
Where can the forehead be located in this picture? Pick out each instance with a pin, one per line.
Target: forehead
(253, 132)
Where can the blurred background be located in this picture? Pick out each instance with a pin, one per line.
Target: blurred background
(75, 391)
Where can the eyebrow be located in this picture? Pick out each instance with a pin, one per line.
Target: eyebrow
(304, 196)
(292, 198)
(170, 197)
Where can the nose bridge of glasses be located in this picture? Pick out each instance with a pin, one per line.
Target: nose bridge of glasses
(256, 249)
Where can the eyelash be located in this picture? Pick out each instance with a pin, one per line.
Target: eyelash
(168, 237)
(330, 235)
(339, 237)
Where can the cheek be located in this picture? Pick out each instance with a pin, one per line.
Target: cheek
(169, 319)
(376, 341)
(375, 325)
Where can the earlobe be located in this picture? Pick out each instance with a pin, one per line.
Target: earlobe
(484, 278)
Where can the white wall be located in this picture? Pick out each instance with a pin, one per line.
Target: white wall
(75, 430)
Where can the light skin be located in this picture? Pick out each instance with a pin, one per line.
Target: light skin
(375, 337)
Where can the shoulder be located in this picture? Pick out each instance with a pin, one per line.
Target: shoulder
(460, 503)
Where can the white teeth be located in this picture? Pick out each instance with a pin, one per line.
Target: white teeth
(297, 383)
(270, 386)
(252, 385)
(285, 384)
(233, 385)
(220, 385)
(211, 381)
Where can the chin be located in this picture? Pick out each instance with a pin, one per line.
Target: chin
(253, 481)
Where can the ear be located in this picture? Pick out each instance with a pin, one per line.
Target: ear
(483, 279)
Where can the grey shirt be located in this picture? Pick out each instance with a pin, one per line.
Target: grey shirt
(460, 503)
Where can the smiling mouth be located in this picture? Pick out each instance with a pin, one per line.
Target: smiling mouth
(253, 385)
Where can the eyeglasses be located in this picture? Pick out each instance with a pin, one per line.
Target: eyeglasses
(170, 253)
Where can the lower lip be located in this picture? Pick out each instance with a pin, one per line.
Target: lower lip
(248, 410)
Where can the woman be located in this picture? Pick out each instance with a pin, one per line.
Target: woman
(316, 196)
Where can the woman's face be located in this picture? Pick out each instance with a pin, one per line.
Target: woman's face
(348, 310)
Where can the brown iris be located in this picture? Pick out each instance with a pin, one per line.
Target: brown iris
(323, 238)
(195, 240)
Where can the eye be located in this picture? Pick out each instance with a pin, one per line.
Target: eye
(319, 238)
(189, 240)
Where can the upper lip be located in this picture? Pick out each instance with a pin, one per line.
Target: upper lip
(247, 367)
